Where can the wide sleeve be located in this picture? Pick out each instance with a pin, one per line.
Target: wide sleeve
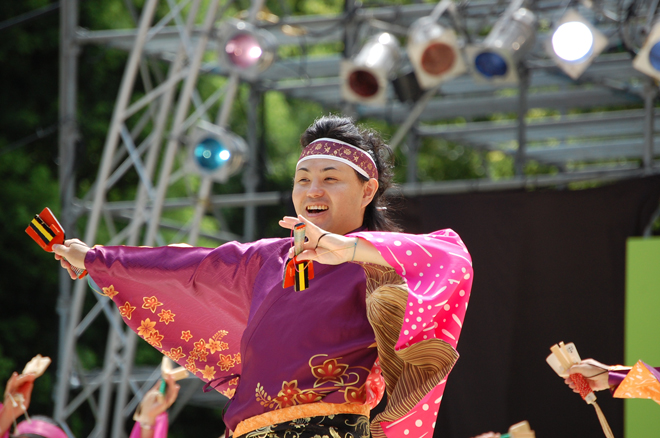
(417, 322)
(642, 381)
(192, 304)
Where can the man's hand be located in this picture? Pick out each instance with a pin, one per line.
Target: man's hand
(596, 373)
(330, 248)
(18, 393)
(72, 253)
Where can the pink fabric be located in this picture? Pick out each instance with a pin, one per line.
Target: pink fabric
(40, 428)
(437, 269)
(160, 427)
(37, 427)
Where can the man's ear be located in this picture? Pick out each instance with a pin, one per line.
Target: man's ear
(369, 189)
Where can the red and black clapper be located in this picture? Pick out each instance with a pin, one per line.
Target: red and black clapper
(298, 274)
(47, 231)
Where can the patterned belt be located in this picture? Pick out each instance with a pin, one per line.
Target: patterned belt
(294, 412)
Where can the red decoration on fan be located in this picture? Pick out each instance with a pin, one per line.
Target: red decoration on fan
(581, 385)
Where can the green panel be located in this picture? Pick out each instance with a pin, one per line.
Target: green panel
(642, 329)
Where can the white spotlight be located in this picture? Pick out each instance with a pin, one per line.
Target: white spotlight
(575, 43)
(365, 77)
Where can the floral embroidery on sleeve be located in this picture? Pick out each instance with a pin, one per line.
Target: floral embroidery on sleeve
(151, 303)
(126, 310)
(109, 291)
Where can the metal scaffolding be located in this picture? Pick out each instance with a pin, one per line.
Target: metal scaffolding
(148, 129)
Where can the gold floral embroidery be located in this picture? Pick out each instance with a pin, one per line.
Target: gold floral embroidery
(175, 353)
(233, 381)
(200, 345)
(229, 393)
(126, 310)
(329, 371)
(264, 399)
(185, 335)
(356, 395)
(209, 372)
(213, 345)
(154, 338)
(166, 316)
(308, 397)
(237, 358)
(146, 327)
(109, 291)
(202, 355)
(226, 362)
(287, 395)
(151, 303)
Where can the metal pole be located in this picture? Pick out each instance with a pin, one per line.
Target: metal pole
(414, 114)
(161, 121)
(68, 137)
(206, 184)
(650, 92)
(413, 147)
(522, 124)
(179, 118)
(251, 172)
(104, 171)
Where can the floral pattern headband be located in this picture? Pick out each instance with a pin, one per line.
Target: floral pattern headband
(337, 150)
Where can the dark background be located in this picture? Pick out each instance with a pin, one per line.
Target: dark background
(549, 266)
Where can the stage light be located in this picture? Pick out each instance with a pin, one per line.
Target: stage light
(245, 49)
(647, 60)
(496, 59)
(215, 152)
(365, 77)
(434, 52)
(574, 43)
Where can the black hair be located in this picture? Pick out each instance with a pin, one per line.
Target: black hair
(377, 215)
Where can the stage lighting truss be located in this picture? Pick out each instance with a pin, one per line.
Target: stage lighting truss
(215, 152)
(496, 59)
(647, 60)
(245, 49)
(574, 43)
(434, 52)
(364, 78)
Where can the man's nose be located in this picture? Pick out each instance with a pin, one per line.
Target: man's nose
(315, 190)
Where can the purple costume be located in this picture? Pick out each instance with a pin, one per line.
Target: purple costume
(223, 314)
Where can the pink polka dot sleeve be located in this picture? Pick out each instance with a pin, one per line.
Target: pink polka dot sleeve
(437, 269)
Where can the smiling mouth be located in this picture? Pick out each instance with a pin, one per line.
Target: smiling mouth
(314, 210)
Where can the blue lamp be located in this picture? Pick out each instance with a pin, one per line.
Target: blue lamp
(496, 58)
(216, 152)
(647, 60)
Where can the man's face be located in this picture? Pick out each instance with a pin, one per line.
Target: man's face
(330, 195)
